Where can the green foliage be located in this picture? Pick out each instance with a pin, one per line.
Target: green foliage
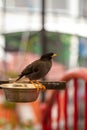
(65, 38)
(11, 74)
(14, 42)
(59, 43)
(33, 44)
(9, 105)
(56, 42)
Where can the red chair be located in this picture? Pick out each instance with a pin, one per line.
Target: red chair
(46, 108)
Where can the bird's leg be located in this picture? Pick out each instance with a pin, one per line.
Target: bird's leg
(34, 85)
(41, 85)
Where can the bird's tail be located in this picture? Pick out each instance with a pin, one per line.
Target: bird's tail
(20, 76)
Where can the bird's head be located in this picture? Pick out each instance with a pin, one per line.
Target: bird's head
(48, 56)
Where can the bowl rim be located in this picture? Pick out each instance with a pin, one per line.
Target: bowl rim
(12, 86)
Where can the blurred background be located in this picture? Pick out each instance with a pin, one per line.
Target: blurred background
(30, 28)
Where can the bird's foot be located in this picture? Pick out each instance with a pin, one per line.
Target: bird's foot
(35, 85)
(41, 86)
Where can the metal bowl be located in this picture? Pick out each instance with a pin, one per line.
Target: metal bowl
(25, 91)
(19, 92)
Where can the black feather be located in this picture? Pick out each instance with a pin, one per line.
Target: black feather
(38, 69)
(20, 76)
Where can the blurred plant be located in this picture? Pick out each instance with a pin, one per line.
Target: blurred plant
(11, 74)
(30, 42)
(9, 105)
(33, 43)
(27, 125)
(26, 41)
(2, 122)
(13, 41)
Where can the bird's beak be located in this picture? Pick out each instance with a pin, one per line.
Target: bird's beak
(54, 55)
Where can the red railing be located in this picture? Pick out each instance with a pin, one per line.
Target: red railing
(75, 75)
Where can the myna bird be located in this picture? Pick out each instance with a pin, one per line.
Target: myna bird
(38, 69)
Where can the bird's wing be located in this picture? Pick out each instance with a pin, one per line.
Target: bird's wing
(26, 71)
(30, 68)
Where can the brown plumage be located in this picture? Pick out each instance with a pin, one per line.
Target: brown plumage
(39, 68)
